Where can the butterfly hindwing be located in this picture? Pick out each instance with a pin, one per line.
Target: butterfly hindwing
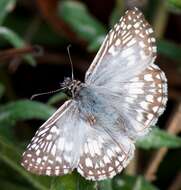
(102, 156)
(52, 149)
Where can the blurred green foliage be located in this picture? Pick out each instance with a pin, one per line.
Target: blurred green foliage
(1, 90)
(90, 29)
(57, 98)
(23, 110)
(82, 23)
(175, 4)
(16, 41)
(6, 6)
(131, 183)
(159, 138)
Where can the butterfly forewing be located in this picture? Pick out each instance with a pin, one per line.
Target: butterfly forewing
(126, 51)
(54, 149)
(125, 66)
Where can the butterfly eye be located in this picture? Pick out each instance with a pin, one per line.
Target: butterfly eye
(67, 81)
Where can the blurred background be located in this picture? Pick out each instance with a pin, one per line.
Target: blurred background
(34, 36)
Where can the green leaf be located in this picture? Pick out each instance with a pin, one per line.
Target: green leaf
(10, 155)
(11, 185)
(105, 184)
(1, 90)
(117, 12)
(72, 181)
(57, 98)
(83, 184)
(44, 35)
(115, 16)
(159, 138)
(16, 41)
(81, 21)
(66, 182)
(142, 184)
(23, 110)
(126, 182)
(6, 6)
(175, 4)
(96, 43)
(7, 132)
(169, 49)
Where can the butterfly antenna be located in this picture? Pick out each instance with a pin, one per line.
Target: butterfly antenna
(45, 93)
(72, 68)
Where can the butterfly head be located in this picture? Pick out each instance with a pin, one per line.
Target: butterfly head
(67, 82)
(71, 87)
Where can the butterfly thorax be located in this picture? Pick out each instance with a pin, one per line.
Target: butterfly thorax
(72, 87)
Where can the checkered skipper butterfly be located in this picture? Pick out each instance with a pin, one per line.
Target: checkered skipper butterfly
(123, 95)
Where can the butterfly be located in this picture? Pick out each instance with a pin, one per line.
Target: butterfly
(124, 93)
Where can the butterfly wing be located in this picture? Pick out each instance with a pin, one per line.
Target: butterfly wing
(105, 149)
(124, 67)
(144, 99)
(54, 150)
(103, 154)
(126, 51)
(125, 93)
